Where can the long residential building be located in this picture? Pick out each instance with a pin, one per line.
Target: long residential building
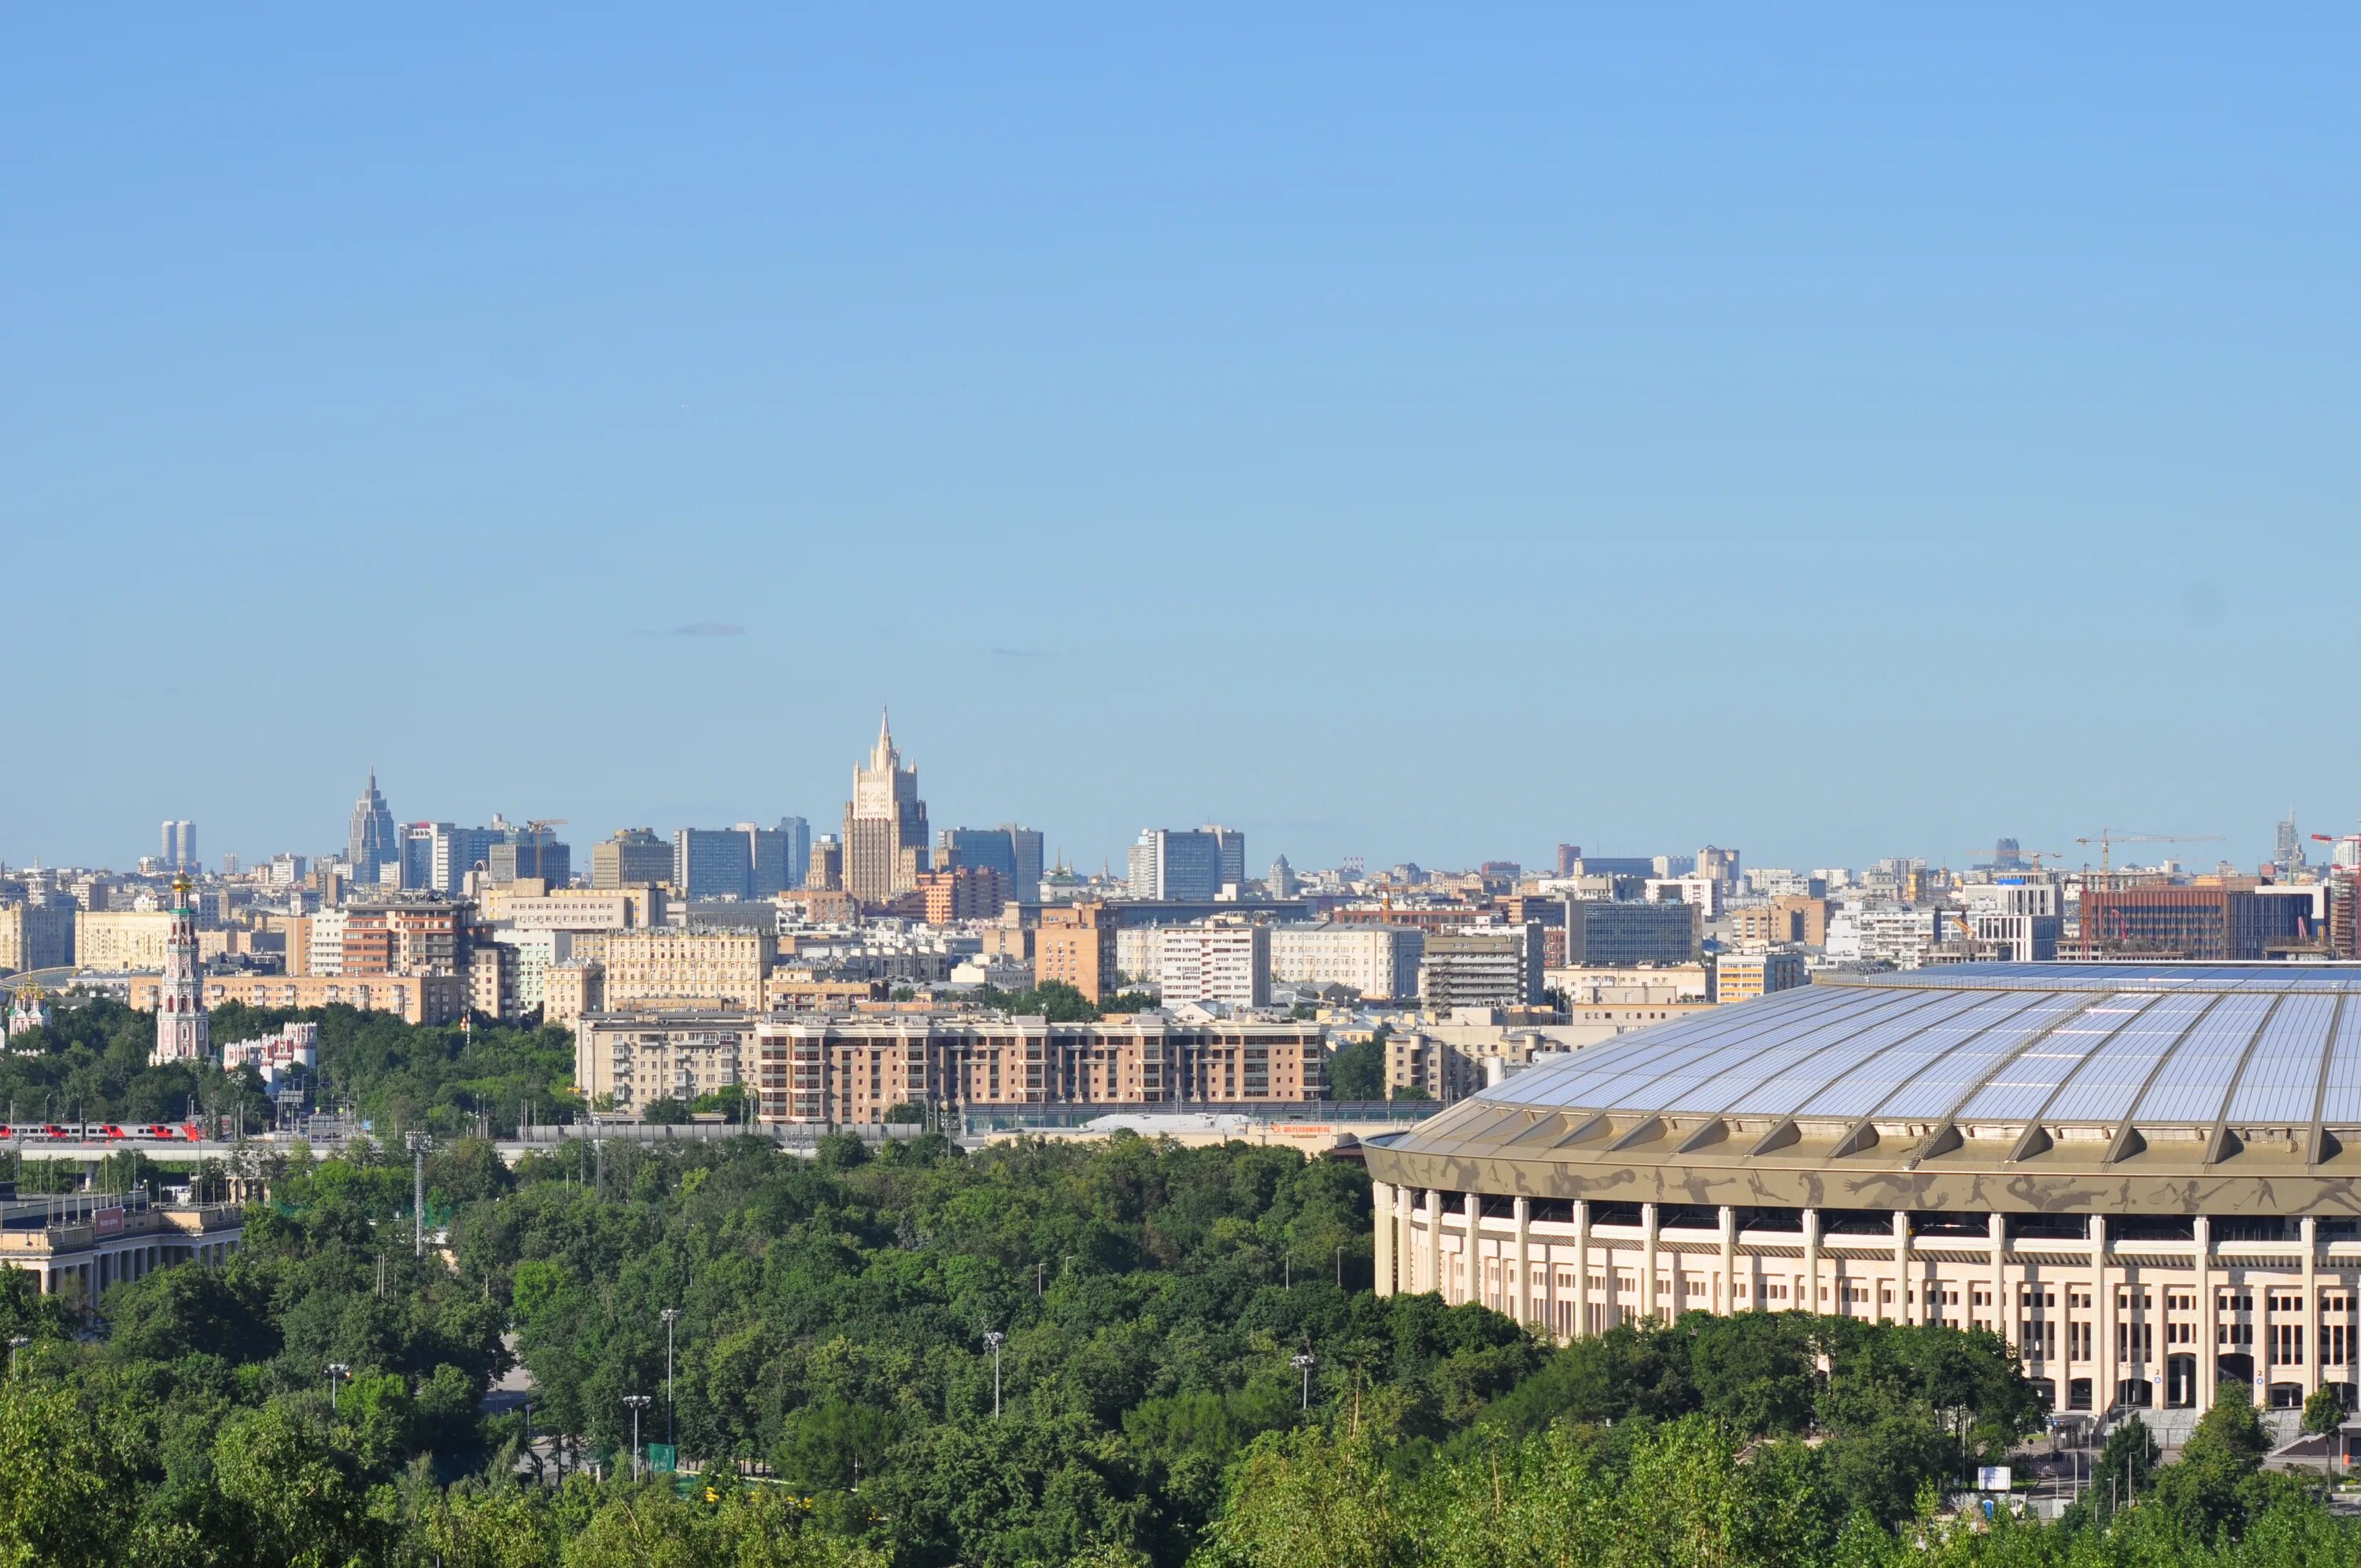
(1487, 968)
(414, 998)
(112, 940)
(857, 1071)
(692, 968)
(841, 1069)
(36, 933)
(1379, 961)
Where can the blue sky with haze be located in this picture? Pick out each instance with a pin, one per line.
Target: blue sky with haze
(1830, 431)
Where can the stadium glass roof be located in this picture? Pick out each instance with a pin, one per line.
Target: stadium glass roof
(2153, 1045)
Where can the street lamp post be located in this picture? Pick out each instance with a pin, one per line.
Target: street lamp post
(337, 1372)
(16, 1344)
(993, 1340)
(671, 1315)
(1304, 1362)
(418, 1143)
(637, 1402)
(1340, 1268)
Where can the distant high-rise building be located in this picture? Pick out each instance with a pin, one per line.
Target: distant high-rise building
(1027, 843)
(799, 837)
(884, 825)
(180, 846)
(634, 857)
(372, 843)
(182, 1033)
(770, 871)
(711, 863)
(417, 844)
(1282, 879)
(980, 849)
(437, 856)
(2286, 855)
(1601, 932)
(1172, 864)
(2008, 855)
(1569, 857)
(825, 872)
(1230, 847)
(532, 851)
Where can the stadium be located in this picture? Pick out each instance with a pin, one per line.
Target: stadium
(2147, 1178)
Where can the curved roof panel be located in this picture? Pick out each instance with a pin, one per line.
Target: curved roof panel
(2153, 1045)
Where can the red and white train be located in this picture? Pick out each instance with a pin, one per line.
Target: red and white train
(103, 1133)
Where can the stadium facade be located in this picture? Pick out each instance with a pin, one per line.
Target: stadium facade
(2147, 1178)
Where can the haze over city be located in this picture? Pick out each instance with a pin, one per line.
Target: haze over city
(1842, 434)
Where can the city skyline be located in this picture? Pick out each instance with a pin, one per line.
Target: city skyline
(2247, 845)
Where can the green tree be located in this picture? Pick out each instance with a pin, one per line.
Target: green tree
(2324, 1411)
(1358, 1071)
(68, 1487)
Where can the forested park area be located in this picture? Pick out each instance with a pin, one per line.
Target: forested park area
(1181, 1378)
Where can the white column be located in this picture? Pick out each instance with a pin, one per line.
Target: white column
(1471, 1263)
(2102, 1322)
(2260, 1390)
(2209, 1316)
(1811, 1260)
(1405, 1245)
(2002, 1319)
(1519, 1301)
(1725, 1294)
(1647, 1262)
(2312, 1346)
(1904, 1313)
(1432, 1278)
(1581, 1267)
(1381, 1204)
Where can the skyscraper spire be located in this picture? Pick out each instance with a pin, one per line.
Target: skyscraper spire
(883, 756)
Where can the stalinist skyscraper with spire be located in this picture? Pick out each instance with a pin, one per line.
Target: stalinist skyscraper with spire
(884, 825)
(182, 1031)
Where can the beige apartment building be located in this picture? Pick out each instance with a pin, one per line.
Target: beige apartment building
(1077, 945)
(855, 1071)
(1749, 977)
(1788, 918)
(568, 991)
(623, 1061)
(1379, 961)
(414, 998)
(712, 969)
(113, 940)
(588, 909)
(806, 990)
(36, 936)
(1591, 984)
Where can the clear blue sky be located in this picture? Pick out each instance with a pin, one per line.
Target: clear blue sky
(1829, 432)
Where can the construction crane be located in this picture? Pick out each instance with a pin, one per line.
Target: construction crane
(543, 824)
(2108, 837)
